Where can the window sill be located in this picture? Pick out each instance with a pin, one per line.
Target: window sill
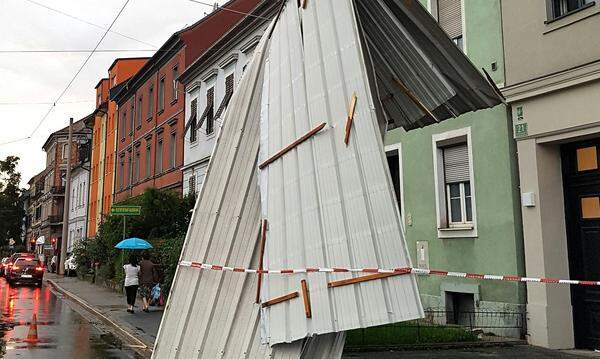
(174, 101)
(139, 127)
(468, 231)
(160, 112)
(149, 119)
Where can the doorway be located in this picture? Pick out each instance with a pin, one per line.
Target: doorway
(581, 179)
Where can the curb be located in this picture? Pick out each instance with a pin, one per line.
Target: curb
(135, 343)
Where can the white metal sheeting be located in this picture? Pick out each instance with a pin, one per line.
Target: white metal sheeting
(328, 204)
(213, 314)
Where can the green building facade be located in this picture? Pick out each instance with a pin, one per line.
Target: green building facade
(457, 184)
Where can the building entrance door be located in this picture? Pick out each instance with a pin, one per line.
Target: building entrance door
(581, 178)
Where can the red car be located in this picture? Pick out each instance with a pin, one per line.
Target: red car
(11, 260)
(26, 270)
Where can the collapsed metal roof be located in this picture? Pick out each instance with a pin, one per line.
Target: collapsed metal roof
(329, 198)
(417, 67)
(214, 315)
(328, 204)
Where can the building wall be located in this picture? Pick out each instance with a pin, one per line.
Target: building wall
(553, 82)
(159, 125)
(78, 205)
(494, 245)
(104, 142)
(531, 41)
(197, 153)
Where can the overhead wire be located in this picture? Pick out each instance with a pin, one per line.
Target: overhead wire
(76, 51)
(71, 81)
(90, 23)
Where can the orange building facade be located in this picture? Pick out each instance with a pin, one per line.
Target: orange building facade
(102, 174)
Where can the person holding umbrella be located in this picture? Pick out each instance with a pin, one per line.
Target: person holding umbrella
(132, 269)
(132, 281)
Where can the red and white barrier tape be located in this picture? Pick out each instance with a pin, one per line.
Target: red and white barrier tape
(419, 271)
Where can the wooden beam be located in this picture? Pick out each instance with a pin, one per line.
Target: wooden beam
(350, 119)
(283, 298)
(263, 240)
(306, 298)
(414, 99)
(293, 145)
(366, 278)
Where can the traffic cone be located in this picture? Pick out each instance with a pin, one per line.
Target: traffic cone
(32, 336)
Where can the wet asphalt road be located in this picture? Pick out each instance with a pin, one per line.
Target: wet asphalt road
(62, 331)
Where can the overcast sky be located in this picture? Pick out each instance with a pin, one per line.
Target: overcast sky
(31, 78)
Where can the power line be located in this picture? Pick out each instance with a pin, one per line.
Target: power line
(74, 51)
(42, 103)
(72, 79)
(90, 23)
(227, 9)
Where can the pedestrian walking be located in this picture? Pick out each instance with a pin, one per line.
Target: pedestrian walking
(132, 271)
(148, 279)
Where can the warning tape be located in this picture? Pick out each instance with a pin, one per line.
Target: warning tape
(418, 271)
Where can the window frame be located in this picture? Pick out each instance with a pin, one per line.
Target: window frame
(148, 159)
(161, 94)
(158, 169)
(433, 7)
(173, 150)
(174, 83)
(398, 147)
(140, 110)
(150, 102)
(439, 141)
(550, 16)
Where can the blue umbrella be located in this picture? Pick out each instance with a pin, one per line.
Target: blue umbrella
(133, 243)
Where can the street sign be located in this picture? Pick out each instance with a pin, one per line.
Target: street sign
(126, 210)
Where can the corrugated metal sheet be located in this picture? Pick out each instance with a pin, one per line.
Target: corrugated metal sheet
(211, 314)
(328, 205)
(405, 42)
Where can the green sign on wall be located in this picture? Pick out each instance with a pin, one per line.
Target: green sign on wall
(521, 130)
(126, 210)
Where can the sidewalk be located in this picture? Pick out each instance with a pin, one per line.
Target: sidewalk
(105, 302)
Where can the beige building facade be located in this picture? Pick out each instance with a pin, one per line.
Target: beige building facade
(552, 57)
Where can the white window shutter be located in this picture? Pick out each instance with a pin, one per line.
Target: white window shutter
(456, 164)
(450, 17)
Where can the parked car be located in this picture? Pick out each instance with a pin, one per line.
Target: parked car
(70, 265)
(3, 266)
(11, 261)
(26, 270)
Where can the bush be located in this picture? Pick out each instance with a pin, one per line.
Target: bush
(163, 222)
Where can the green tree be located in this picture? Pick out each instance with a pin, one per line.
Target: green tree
(11, 208)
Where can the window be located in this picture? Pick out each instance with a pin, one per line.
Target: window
(559, 8)
(210, 104)
(192, 124)
(136, 170)
(161, 95)
(172, 150)
(129, 168)
(122, 174)
(150, 101)
(132, 118)
(455, 203)
(123, 125)
(148, 159)
(450, 18)
(393, 159)
(229, 82)
(65, 147)
(458, 185)
(175, 82)
(159, 156)
(139, 111)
